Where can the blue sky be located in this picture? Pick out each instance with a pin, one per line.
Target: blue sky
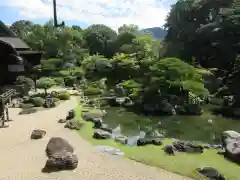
(114, 13)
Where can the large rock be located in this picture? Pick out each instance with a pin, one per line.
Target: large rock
(210, 173)
(232, 151)
(148, 141)
(38, 134)
(231, 143)
(101, 134)
(187, 146)
(57, 144)
(229, 136)
(61, 160)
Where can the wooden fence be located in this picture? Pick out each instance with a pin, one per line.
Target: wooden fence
(5, 103)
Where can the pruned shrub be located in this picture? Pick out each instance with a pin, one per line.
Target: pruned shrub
(64, 96)
(92, 91)
(37, 101)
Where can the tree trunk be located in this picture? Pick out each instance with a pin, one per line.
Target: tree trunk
(45, 90)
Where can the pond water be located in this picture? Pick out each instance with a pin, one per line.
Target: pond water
(204, 128)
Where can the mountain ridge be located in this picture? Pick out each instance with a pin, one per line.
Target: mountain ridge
(157, 32)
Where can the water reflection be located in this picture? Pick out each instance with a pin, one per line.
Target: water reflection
(206, 128)
(132, 141)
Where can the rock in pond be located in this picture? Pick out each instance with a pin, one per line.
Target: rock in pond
(229, 136)
(73, 124)
(187, 146)
(148, 141)
(101, 134)
(38, 134)
(210, 173)
(121, 139)
(57, 144)
(213, 146)
(231, 143)
(105, 127)
(98, 122)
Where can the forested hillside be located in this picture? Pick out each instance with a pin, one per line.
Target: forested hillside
(157, 32)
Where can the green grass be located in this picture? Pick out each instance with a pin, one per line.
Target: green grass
(182, 163)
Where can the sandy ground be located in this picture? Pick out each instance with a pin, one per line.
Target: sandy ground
(22, 158)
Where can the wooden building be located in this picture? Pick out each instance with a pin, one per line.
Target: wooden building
(16, 57)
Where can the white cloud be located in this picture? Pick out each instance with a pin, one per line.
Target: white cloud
(144, 13)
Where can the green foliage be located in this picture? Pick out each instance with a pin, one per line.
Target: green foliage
(45, 83)
(172, 72)
(70, 81)
(89, 91)
(58, 80)
(37, 101)
(22, 80)
(56, 99)
(63, 96)
(64, 73)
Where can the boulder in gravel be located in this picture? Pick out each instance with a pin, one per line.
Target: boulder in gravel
(38, 134)
(210, 173)
(71, 114)
(169, 149)
(27, 111)
(101, 134)
(62, 121)
(57, 144)
(61, 160)
(73, 125)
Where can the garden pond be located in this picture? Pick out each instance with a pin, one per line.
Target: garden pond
(205, 128)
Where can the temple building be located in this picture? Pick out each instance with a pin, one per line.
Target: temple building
(16, 57)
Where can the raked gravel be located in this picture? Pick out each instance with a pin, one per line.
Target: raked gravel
(22, 158)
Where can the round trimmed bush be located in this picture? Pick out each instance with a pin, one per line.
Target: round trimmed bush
(92, 91)
(56, 99)
(38, 101)
(64, 96)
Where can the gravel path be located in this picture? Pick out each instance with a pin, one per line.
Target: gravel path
(23, 159)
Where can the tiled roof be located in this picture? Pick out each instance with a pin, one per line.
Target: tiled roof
(16, 42)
